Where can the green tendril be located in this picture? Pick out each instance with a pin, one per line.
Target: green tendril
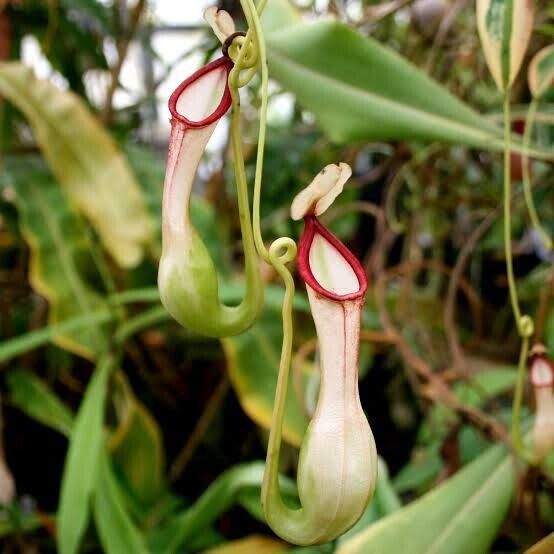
(282, 250)
(529, 123)
(524, 323)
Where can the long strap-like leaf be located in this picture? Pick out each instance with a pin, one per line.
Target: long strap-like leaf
(81, 466)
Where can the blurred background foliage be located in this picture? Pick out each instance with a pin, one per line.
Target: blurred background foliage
(167, 435)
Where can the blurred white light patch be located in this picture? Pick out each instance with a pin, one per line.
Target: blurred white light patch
(32, 56)
(280, 109)
(354, 10)
(175, 12)
(96, 83)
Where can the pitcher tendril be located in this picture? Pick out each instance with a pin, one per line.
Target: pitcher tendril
(334, 489)
(505, 29)
(334, 493)
(187, 277)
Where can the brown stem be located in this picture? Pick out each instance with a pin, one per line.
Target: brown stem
(436, 389)
(435, 265)
(186, 453)
(456, 351)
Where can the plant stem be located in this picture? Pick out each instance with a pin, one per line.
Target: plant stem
(518, 396)
(529, 122)
(524, 323)
(200, 429)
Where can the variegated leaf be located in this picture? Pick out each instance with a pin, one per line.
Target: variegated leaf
(541, 71)
(61, 266)
(85, 161)
(505, 28)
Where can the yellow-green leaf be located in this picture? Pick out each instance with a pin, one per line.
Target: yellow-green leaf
(85, 161)
(190, 526)
(81, 464)
(33, 397)
(136, 444)
(60, 254)
(253, 365)
(117, 532)
(505, 29)
(541, 71)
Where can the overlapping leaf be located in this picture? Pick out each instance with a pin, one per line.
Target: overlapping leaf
(359, 89)
(136, 444)
(460, 516)
(82, 460)
(60, 254)
(117, 532)
(188, 526)
(85, 161)
(253, 365)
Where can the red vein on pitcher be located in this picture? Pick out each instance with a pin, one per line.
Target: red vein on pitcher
(338, 460)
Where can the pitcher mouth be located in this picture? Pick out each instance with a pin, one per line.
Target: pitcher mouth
(224, 104)
(541, 371)
(312, 228)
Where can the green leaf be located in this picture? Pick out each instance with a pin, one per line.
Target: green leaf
(460, 516)
(475, 392)
(136, 444)
(85, 161)
(116, 530)
(427, 462)
(385, 496)
(118, 535)
(425, 465)
(60, 253)
(188, 526)
(230, 292)
(19, 522)
(279, 14)
(33, 397)
(361, 90)
(253, 365)
(92, 9)
(541, 72)
(81, 464)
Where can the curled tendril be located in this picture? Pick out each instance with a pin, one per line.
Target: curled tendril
(282, 251)
(526, 326)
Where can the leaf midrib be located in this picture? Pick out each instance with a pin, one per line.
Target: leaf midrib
(387, 103)
(486, 140)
